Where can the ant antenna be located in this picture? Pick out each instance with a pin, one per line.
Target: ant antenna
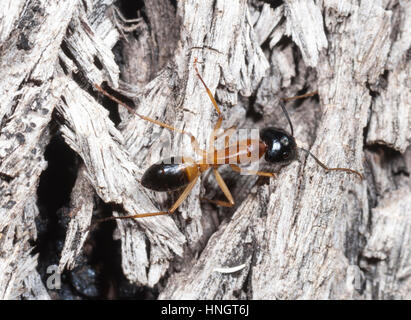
(308, 152)
(310, 94)
(288, 117)
(331, 169)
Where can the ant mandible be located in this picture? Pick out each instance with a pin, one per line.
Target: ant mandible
(275, 144)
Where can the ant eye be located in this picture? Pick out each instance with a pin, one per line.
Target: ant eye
(285, 155)
(284, 141)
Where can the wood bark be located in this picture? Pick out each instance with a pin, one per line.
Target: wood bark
(307, 234)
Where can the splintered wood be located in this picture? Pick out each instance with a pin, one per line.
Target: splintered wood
(305, 235)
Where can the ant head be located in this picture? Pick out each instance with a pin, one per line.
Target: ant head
(280, 146)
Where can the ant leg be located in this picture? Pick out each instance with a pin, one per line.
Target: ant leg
(208, 90)
(194, 142)
(210, 95)
(180, 199)
(236, 168)
(223, 188)
(309, 94)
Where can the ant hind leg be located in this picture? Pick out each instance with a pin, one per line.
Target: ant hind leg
(173, 208)
(194, 142)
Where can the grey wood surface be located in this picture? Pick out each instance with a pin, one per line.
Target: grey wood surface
(307, 234)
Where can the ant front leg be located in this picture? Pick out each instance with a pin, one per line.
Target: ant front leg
(214, 102)
(210, 95)
(236, 168)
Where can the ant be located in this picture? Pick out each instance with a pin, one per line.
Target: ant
(176, 173)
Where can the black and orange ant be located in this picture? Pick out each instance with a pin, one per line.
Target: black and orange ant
(275, 144)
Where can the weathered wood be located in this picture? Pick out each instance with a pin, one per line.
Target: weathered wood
(305, 235)
(78, 228)
(28, 95)
(389, 243)
(310, 237)
(392, 126)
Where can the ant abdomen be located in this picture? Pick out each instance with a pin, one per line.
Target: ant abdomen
(169, 174)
